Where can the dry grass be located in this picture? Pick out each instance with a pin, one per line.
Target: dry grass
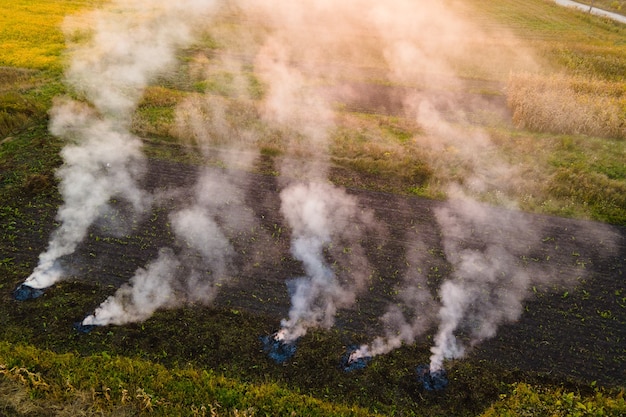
(381, 147)
(25, 23)
(568, 105)
(615, 6)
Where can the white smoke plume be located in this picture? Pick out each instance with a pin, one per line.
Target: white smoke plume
(292, 105)
(428, 46)
(485, 247)
(316, 212)
(105, 161)
(194, 273)
(148, 290)
(205, 229)
(326, 222)
(489, 249)
(404, 323)
(432, 49)
(197, 226)
(203, 226)
(129, 45)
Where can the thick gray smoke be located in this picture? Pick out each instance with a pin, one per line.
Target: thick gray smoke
(130, 44)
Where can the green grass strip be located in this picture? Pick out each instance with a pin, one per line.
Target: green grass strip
(112, 383)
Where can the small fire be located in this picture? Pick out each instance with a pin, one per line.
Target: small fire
(84, 328)
(276, 348)
(432, 379)
(279, 335)
(26, 292)
(354, 359)
(87, 325)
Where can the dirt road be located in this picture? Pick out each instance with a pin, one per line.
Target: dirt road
(592, 10)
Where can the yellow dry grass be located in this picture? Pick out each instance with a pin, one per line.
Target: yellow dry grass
(31, 35)
(568, 105)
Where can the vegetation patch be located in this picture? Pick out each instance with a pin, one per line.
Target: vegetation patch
(568, 105)
(532, 401)
(36, 381)
(26, 23)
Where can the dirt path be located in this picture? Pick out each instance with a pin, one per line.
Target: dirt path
(592, 10)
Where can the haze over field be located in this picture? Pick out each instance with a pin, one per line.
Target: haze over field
(306, 56)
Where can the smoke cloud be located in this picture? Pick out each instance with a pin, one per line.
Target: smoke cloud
(326, 224)
(485, 247)
(497, 255)
(403, 323)
(195, 272)
(203, 227)
(105, 161)
(148, 290)
(425, 47)
(298, 54)
(129, 45)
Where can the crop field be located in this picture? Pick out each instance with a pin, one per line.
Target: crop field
(441, 185)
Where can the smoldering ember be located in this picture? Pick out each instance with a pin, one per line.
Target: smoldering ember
(432, 380)
(253, 229)
(277, 348)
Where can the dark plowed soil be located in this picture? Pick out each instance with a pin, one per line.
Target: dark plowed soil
(572, 326)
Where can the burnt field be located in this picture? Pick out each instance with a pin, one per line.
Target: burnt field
(572, 327)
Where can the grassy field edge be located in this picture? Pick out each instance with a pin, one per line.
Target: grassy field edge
(35, 380)
(111, 384)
